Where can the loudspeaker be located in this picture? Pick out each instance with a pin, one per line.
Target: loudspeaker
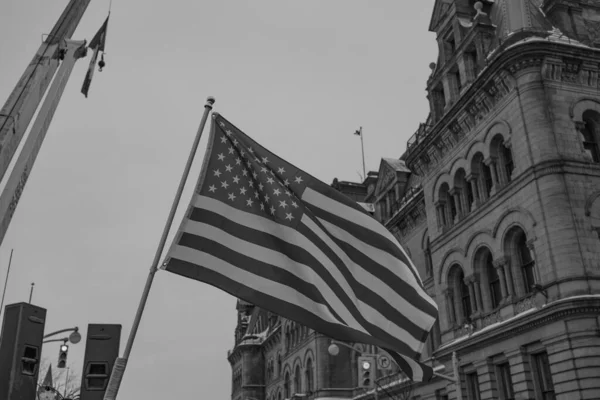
(21, 350)
(101, 351)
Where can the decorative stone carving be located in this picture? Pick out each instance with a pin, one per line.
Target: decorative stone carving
(524, 305)
(491, 319)
(455, 128)
(570, 72)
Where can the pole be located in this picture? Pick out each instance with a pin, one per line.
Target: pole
(362, 146)
(457, 381)
(121, 363)
(6, 281)
(66, 383)
(31, 292)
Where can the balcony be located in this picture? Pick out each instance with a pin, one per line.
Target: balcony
(419, 136)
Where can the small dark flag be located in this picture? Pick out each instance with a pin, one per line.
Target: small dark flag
(358, 132)
(97, 45)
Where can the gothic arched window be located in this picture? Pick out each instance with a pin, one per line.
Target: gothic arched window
(297, 380)
(309, 376)
(286, 385)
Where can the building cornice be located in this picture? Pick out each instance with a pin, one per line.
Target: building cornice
(569, 63)
(557, 310)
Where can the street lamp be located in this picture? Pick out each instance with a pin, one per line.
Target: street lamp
(74, 337)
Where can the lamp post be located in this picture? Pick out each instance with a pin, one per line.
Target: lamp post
(334, 350)
(74, 337)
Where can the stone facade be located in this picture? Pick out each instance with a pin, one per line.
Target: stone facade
(497, 202)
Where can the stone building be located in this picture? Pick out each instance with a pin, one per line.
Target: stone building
(497, 201)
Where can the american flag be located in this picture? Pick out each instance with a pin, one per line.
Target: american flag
(269, 233)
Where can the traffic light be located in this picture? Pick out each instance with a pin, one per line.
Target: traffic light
(62, 356)
(101, 351)
(20, 350)
(366, 371)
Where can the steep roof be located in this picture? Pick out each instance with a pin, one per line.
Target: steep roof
(397, 164)
(440, 11)
(48, 378)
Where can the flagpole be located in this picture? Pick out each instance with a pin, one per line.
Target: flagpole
(121, 362)
(362, 146)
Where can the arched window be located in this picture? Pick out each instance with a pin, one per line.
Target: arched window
(459, 299)
(288, 338)
(279, 364)
(444, 206)
(286, 385)
(297, 380)
(493, 282)
(507, 160)
(589, 132)
(521, 263)
(483, 176)
(526, 264)
(461, 196)
(500, 151)
(309, 376)
(465, 297)
(279, 396)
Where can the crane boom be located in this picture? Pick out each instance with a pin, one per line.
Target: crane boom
(17, 112)
(18, 177)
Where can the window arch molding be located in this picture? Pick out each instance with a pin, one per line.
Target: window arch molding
(589, 203)
(476, 241)
(441, 179)
(588, 139)
(452, 256)
(581, 105)
(477, 147)
(457, 165)
(514, 216)
(498, 127)
(308, 354)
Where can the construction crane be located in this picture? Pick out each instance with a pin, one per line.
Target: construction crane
(53, 62)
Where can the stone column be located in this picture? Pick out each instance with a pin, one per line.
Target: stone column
(508, 145)
(455, 193)
(531, 247)
(499, 265)
(477, 290)
(449, 294)
(472, 179)
(508, 275)
(469, 283)
(441, 218)
(491, 162)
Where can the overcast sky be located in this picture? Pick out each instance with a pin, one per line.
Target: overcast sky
(299, 77)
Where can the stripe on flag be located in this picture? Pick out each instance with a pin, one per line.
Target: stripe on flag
(269, 233)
